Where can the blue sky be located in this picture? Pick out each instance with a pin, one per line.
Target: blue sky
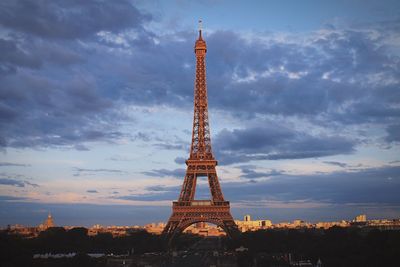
(96, 108)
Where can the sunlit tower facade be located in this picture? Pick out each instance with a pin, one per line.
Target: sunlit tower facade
(187, 211)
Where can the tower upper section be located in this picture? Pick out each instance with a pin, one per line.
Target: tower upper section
(200, 47)
(201, 139)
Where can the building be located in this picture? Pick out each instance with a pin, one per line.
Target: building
(205, 229)
(114, 230)
(360, 218)
(248, 225)
(327, 225)
(155, 228)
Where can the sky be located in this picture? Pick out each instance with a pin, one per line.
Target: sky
(96, 108)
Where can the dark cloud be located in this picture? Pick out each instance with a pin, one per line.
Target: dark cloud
(173, 146)
(55, 105)
(179, 173)
(12, 182)
(180, 160)
(69, 20)
(119, 158)
(38, 112)
(57, 88)
(15, 182)
(12, 55)
(82, 171)
(81, 147)
(318, 78)
(36, 55)
(31, 184)
(146, 137)
(153, 196)
(249, 172)
(11, 198)
(157, 188)
(393, 133)
(91, 191)
(371, 186)
(11, 164)
(273, 142)
(336, 163)
(157, 193)
(97, 170)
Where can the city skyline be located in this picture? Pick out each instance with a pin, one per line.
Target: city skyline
(247, 223)
(96, 108)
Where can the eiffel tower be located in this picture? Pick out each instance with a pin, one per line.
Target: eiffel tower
(187, 211)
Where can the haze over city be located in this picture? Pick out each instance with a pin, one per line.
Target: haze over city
(96, 108)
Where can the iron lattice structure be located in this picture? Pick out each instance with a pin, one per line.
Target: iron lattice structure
(187, 211)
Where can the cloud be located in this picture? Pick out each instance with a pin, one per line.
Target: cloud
(249, 172)
(11, 198)
(69, 20)
(143, 136)
(369, 186)
(180, 160)
(273, 142)
(12, 182)
(31, 184)
(12, 55)
(83, 172)
(155, 193)
(119, 158)
(52, 113)
(53, 106)
(324, 76)
(15, 182)
(179, 173)
(157, 188)
(172, 146)
(81, 147)
(91, 191)
(332, 78)
(393, 133)
(97, 170)
(336, 163)
(11, 164)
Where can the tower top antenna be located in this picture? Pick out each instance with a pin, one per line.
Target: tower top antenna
(200, 28)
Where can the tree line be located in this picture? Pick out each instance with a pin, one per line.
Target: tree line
(335, 246)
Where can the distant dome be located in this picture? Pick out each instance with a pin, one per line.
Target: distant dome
(49, 222)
